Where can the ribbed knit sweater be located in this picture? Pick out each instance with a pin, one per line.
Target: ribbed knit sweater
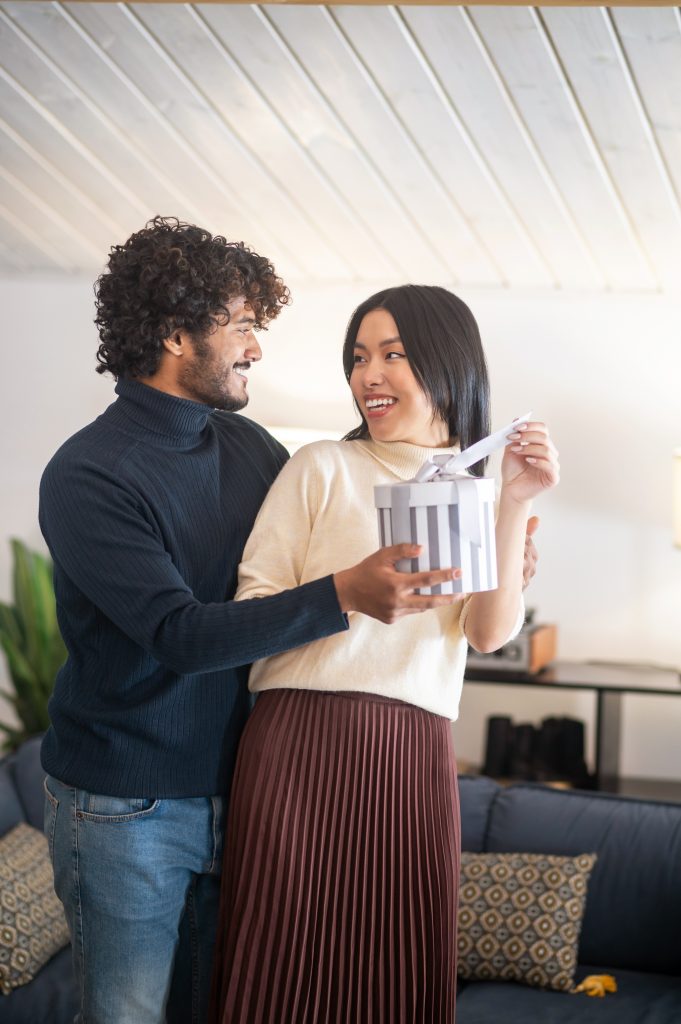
(146, 512)
(320, 513)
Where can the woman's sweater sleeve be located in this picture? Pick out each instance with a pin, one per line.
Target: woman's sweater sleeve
(276, 551)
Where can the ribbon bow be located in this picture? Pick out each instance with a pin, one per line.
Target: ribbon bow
(444, 467)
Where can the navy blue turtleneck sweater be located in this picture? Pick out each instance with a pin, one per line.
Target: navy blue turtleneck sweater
(146, 512)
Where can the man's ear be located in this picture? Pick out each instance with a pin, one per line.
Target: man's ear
(176, 343)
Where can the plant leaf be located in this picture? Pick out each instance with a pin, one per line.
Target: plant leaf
(9, 623)
(44, 598)
(29, 610)
(30, 639)
(23, 676)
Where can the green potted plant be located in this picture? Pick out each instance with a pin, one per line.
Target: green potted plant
(32, 643)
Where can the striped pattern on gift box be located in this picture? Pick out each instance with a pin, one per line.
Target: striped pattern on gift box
(454, 521)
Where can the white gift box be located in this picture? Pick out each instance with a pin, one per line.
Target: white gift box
(453, 518)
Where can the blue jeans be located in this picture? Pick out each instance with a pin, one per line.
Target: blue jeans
(139, 880)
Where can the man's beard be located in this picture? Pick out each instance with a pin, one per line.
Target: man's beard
(205, 381)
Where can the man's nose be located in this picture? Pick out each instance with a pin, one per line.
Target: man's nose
(253, 350)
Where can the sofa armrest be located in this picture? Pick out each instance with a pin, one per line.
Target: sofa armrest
(476, 796)
(633, 909)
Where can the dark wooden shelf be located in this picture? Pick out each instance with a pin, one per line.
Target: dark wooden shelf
(585, 675)
(609, 683)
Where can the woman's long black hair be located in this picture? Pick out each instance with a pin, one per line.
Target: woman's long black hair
(442, 343)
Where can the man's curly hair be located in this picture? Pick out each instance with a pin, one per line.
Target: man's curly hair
(175, 276)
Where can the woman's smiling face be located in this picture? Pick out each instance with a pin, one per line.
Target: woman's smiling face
(386, 390)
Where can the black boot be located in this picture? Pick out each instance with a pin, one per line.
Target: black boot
(560, 752)
(498, 746)
(523, 749)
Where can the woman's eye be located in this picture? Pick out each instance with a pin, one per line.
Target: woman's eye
(358, 359)
(398, 355)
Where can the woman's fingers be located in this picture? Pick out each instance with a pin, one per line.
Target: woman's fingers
(531, 462)
(541, 450)
(549, 469)
(535, 426)
(543, 463)
(532, 440)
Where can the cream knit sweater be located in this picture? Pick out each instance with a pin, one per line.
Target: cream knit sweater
(319, 518)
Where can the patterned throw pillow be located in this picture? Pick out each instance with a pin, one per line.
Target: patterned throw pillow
(32, 923)
(520, 915)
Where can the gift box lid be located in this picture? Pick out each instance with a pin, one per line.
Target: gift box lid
(437, 491)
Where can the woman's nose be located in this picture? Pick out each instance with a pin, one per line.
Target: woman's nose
(373, 372)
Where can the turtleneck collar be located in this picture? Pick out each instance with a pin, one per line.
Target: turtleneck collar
(156, 415)
(400, 457)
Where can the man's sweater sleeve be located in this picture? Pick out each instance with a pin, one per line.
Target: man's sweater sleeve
(101, 536)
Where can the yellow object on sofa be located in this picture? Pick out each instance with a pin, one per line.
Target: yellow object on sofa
(596, 985)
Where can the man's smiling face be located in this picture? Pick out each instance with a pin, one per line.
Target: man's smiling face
(215, 372)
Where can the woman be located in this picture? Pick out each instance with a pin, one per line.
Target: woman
(342, 849)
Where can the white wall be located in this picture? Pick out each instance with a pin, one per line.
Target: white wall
(605, 372)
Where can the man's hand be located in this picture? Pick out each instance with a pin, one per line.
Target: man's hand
(376, 588)
(531, 553)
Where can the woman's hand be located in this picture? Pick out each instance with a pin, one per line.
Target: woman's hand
(531, 554)
(530, 464)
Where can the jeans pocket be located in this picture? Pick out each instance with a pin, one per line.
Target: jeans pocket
(49, 816)
(98, 807)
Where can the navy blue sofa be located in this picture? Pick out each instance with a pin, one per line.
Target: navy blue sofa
(632, 921)
(51, 997)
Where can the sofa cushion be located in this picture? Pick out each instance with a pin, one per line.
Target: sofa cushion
(633, 912)
(51, 997)
(28, 778)
(32, 923)
(640, 999)
(520, 916)
(476, 793)
(11, 809)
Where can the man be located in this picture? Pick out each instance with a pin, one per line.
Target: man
(146, 511)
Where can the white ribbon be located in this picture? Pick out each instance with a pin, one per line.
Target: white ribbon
(449, 465)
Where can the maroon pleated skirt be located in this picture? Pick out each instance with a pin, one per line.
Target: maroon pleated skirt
(341, 865)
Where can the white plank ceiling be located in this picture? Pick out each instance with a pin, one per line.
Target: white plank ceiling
(493, 146)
